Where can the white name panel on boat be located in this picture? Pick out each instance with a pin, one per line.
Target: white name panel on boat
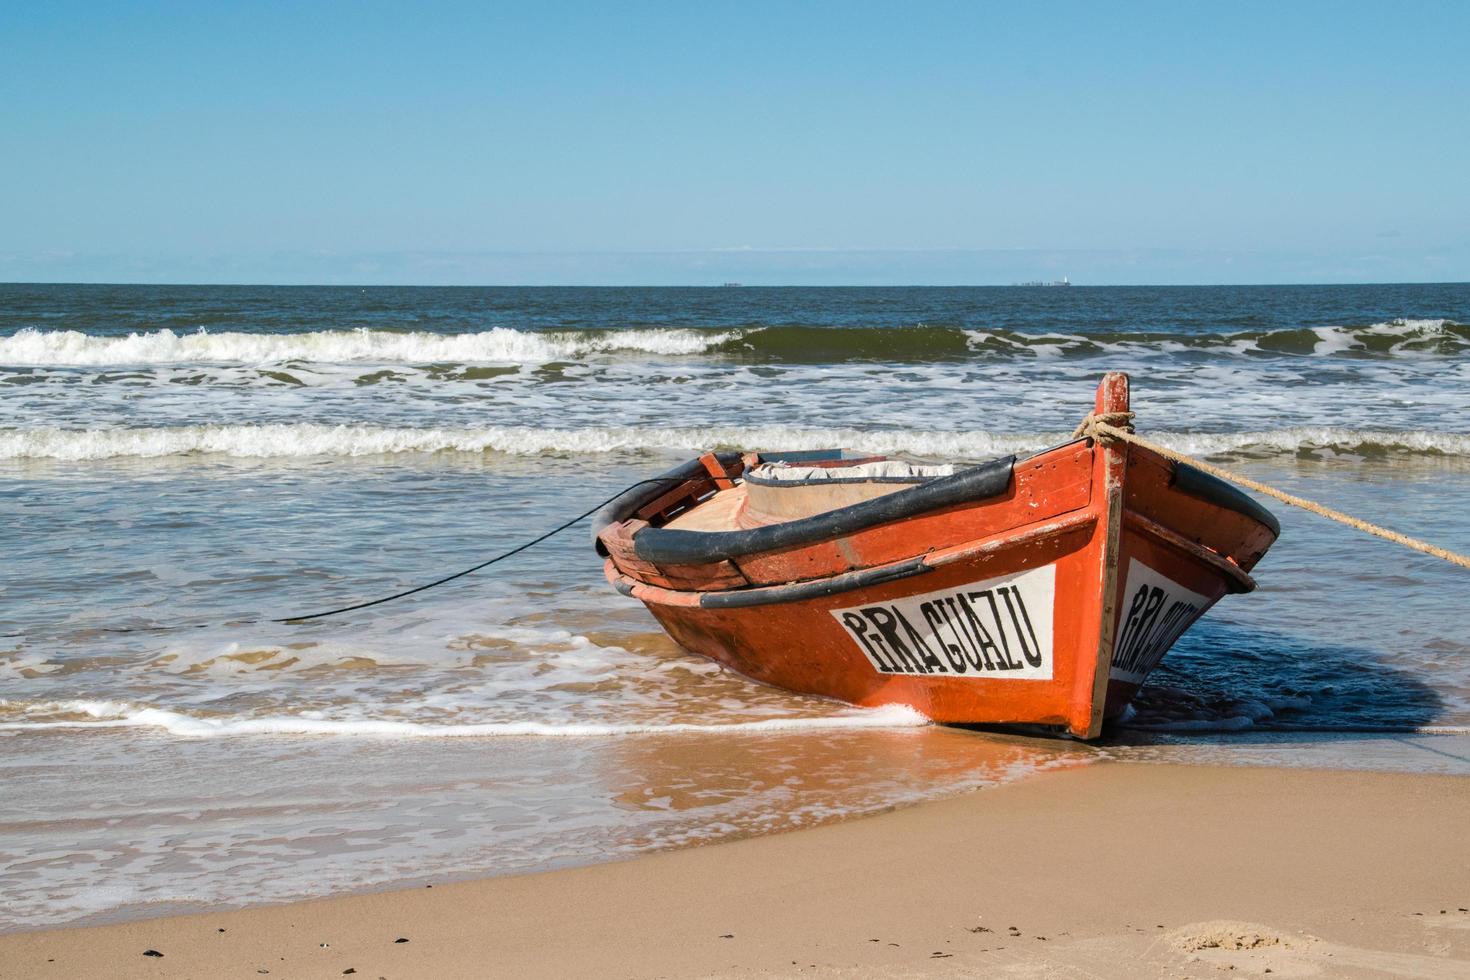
(1156, 611)
(998, 629)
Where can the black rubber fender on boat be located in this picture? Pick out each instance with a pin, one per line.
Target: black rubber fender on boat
(1198, 483)
(627, 503)
(663, 546)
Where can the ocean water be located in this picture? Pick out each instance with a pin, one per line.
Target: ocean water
(207, 459)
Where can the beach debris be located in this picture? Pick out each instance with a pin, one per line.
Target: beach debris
(728, 935)
(981, 929)
(348, 970)
(400, 939)
(1229, 936)
(152, 952)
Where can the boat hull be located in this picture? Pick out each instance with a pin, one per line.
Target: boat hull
(1048, 604)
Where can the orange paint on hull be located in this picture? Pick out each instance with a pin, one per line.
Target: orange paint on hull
(1046, 603)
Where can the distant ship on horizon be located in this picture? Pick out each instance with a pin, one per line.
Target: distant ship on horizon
(1064, 281)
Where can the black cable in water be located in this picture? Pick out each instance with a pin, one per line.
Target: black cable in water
(475, 568)
(291, 620)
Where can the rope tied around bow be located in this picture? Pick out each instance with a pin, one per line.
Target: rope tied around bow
(1099, 426)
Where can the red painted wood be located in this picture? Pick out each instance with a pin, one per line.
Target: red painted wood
(1067, 508)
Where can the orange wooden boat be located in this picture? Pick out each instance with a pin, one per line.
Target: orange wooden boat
(1035, 590)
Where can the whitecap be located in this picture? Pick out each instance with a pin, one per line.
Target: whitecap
(277, 441)
(499, 345)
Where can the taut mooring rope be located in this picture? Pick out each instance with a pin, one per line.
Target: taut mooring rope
(1106, 427)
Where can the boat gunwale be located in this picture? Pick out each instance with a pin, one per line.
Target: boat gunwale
(673, 546)
(853, 580)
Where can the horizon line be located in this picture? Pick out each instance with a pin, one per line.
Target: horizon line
(737, 285)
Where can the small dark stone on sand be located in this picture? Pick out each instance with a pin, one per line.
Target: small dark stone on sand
(400, 939)
(219, 930)
(348, 970)
(728, 935)
(152, 952)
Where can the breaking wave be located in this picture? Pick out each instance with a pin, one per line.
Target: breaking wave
(783, 343)
(498, 345)
(309, 439)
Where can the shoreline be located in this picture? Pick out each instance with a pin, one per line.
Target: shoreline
(1109, 869)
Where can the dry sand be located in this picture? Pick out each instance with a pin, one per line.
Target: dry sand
(1111, 870)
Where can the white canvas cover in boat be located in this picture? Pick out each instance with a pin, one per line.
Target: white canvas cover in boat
(882, 470)
(778, 491)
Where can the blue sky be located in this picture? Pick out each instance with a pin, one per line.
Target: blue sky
(769, 143)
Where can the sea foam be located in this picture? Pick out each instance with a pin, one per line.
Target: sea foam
(114, 714)
(499, 345)
(35, 347)
(279, 441)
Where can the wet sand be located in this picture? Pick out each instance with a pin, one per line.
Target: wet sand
(1108, 870)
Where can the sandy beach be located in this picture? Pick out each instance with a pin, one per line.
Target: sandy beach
(1106, 870)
